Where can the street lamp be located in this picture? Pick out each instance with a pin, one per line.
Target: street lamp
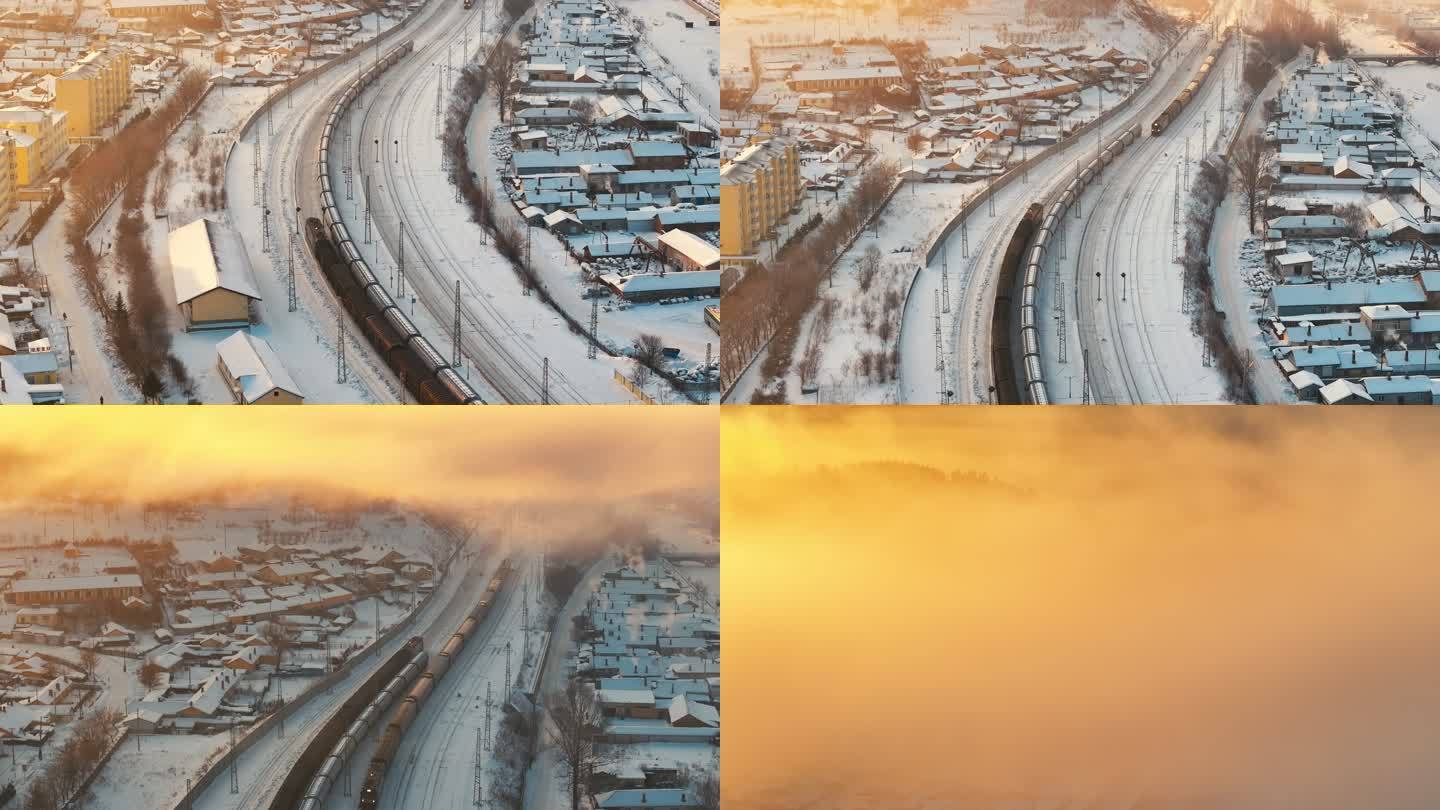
(1097, 285)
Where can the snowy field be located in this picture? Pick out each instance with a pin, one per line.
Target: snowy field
(1418, 88)
(154, 770)
(864, 324)
(692, 54)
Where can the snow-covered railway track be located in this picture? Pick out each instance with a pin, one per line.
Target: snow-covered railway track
(498, 336)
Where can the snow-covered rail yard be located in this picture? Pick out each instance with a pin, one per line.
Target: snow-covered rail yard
(192, 277)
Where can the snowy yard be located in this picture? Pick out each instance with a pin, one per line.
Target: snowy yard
(851, 338)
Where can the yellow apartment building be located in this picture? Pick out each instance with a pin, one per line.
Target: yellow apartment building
(40, 141)
(7, 179)
(758, 190)
(93, 92)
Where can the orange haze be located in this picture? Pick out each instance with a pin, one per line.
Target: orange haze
(442, 458)
(1081, 608)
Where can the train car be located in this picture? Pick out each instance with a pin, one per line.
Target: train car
(458, 388)
(294, 789)
(424, 685)
(404, 349)
(1003, 315)
(1192, 88)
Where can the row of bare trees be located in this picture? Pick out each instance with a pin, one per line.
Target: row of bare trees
(1290, 25)
(1206, 192)
(137, 323)
(55, 787)
(511, 238)
(770, 303)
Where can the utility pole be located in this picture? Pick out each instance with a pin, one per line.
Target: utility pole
(964, 238)
(479, 768)
(544, 393)
(341, 372)
(294, 245)
(1085, 377)
(939, 347)
(590, 350)
(455, 353)
(400, 267)
(234, 762)
(945, 284)
(367, 209)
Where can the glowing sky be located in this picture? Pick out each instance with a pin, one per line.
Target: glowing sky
(1161, 602)
(427, 456)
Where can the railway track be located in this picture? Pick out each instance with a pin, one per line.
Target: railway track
(1122, 222)
(442, 706)
(507, 362)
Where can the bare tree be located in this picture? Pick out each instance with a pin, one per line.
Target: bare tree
(1250, 166)
(868, 267)
(584, 110)
(503, 61)
(280, 638)
(704, 787)
(575, 736)
(149, 675)
(648, 352)
(89, 659)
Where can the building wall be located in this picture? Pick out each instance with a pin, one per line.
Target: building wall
(7, 181)
(60, 597)
(217, 306)
(159, 12)
(751, 209)
(93, 92)
(49, 131)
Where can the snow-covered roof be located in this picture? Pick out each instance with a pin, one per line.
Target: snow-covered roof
(37, 585)
(255, 367)
(683, 708)
(205, 256)
(692, 247)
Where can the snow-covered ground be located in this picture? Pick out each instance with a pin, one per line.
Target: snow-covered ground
(1417, 87)
(295, 336)
(1136, 325)
(692, 54)
(863, 337)
(509, 332)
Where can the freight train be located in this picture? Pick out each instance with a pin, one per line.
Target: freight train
(1028, 358)
(323, 762)
(422, 369)
(1006, 392)
(1178, 103)
(409, 707)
